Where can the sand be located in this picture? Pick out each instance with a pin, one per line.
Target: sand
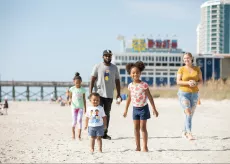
(40, 132)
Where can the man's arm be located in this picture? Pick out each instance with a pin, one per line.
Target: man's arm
(118, 87)
(104, 122)
(92, 82)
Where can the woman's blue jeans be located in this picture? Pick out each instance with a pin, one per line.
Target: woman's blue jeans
(188, 101)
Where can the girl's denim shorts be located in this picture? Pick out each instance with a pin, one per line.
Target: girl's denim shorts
(141, 113)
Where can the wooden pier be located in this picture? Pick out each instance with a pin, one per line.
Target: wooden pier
(29, 84)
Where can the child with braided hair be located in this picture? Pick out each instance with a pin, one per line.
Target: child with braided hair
(78, 104)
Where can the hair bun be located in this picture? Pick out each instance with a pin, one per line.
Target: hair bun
(77, 74)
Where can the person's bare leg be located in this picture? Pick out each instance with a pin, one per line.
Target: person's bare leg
(79, 134)
(144, 135)
(99, 141)
(73, 133)
(137, 134)
(189, 115)
(92, 143)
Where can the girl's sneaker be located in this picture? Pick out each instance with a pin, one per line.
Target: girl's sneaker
(184, 134)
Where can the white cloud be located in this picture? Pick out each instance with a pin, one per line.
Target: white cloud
(156, 8)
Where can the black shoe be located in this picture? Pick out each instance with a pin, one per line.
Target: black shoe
(106, 137)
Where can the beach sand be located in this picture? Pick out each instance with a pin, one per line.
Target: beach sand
(40, 132)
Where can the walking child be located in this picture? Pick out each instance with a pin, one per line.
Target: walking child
(138, 94)
(95, 121)
(78, 104)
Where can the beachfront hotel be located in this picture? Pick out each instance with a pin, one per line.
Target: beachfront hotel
(162, 58)
(213, 32)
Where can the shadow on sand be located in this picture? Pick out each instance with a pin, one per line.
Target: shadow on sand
(178, 137)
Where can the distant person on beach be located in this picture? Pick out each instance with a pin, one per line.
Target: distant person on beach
(188, 78)
(138, 93)
(95, 121)
(4, 106)
(78, 104)
(59, 99)
(106, 76)
(52, 98)
(67, 96)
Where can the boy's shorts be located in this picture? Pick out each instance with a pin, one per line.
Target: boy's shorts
(96, 131)
(141, 113)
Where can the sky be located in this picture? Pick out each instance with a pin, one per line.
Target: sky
(50, 40)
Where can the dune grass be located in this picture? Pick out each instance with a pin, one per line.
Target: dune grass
(212, 89)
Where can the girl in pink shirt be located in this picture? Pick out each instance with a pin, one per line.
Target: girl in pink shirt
(138, 93)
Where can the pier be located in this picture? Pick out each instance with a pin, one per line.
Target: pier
(13, 94)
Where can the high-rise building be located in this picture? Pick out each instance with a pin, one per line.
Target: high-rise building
(213, 32)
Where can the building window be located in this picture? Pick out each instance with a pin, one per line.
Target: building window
(122, 71)
(214, 16)
(123, 79)
(213, 26)
(213, 48)
(214, 11)
(213, 43)
(151, 64)
(158, 64)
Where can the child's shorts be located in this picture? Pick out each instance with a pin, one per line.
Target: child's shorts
(141, 113)
(96, 131)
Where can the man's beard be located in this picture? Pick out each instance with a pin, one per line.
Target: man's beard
(107, 61)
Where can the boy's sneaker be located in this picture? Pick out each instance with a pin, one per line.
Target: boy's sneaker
(106, 137)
